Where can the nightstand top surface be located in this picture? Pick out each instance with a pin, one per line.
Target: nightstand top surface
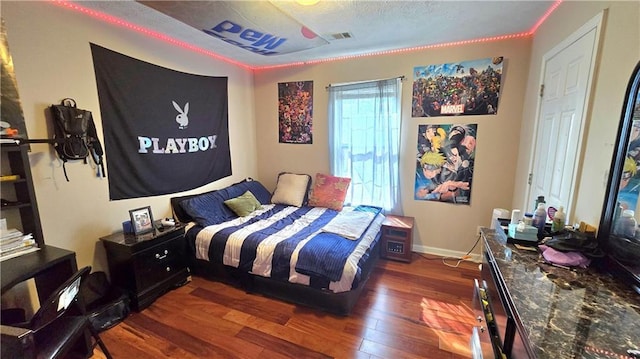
(398, 221)
(129, 239)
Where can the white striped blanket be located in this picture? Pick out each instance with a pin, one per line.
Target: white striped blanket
(289, 244)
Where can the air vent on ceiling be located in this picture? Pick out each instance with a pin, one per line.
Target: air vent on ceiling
(340, 36)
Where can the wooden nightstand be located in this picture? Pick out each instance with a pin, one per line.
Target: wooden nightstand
(397, 238)
(147, 265)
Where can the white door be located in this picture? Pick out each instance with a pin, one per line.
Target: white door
(567, 73)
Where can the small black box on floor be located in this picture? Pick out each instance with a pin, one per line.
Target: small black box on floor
(105, 304)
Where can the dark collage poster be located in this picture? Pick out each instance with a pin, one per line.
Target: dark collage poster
(444, 162)
(459, 88)
(12, 118)
(295, 112)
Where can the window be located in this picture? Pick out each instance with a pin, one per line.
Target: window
(364, 140)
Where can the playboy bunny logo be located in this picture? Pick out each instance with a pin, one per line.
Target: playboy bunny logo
(181, 117)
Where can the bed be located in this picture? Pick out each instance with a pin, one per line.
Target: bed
(305, 254)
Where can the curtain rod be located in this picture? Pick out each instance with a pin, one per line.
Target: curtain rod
(402, 78)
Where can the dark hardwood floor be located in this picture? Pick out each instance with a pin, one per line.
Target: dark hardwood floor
(417, 310)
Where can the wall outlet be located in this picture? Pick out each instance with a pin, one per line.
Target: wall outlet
(478, 230)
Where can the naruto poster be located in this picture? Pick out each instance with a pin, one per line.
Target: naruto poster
(444, 163)
(165, 131)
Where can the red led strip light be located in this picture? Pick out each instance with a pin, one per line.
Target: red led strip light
(545, 16)
(116, 21)
(397, 51)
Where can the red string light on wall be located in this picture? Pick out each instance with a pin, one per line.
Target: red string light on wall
(399, 51)
(116, 21)
(545, 16)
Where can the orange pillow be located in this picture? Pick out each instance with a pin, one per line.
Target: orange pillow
(329, 191)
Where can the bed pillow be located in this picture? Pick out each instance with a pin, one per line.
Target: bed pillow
(292, 189)
(329, 191)
(243, 205)
(255, 187)
(209, 208)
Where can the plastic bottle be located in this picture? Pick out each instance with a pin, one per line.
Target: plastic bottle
(539, 200)
(627, 224)
(558, 220)
(539, 219)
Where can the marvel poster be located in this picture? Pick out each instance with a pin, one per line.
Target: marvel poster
(444, 162)
(459, 88)
(295, 112)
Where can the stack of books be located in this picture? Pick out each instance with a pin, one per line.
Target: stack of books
(14, 243)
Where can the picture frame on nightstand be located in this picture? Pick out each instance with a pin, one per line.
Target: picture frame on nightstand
(141, 220)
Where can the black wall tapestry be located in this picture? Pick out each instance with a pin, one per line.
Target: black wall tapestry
(165, 131)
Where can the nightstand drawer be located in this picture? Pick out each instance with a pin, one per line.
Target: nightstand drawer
(158, 263)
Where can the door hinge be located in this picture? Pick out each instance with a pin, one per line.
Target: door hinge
(541, 90)
(530, 180)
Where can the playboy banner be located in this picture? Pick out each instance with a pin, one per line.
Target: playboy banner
(164, 131)
(256, 26)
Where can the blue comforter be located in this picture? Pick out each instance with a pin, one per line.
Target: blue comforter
(289, 244)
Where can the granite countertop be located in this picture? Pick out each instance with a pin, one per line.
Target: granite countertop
(581, 313)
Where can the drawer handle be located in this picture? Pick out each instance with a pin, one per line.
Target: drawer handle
(168, 269)
(158, 256)
(479, 318)
(482, 329)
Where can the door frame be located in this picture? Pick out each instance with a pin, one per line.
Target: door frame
(597, 23)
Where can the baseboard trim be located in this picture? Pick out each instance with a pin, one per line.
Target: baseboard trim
(474, 257)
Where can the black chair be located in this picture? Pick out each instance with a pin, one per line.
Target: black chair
(55, 331)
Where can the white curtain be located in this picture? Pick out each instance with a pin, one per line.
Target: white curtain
(364, 140)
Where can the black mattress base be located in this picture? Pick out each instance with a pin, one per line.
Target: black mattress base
(325, 300)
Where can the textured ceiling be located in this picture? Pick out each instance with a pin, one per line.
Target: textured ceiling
(375, 26)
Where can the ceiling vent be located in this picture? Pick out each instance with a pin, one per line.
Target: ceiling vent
(340, 36)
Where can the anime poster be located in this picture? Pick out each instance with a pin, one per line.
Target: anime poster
(630, 182)
(295, 112)
(461, 88)
(444, 163)
(12, 123)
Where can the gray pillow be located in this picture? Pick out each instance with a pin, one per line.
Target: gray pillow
(292, 189)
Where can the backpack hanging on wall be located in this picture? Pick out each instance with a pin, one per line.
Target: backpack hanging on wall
(75, 135)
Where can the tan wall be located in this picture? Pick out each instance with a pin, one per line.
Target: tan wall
(442, 228)
(52, 59)
(619, 53)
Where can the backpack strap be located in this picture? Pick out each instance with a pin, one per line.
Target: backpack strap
(64, 169)
(95, 148)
